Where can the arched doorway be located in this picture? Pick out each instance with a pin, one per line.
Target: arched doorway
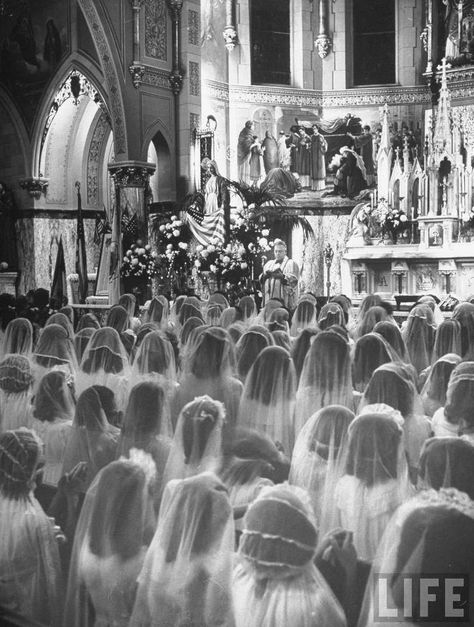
(161, 181)
(75, 144)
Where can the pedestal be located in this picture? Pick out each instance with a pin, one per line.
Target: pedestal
(8, 283)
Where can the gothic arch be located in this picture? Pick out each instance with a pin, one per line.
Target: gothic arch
(150, 133)
(11, 110)
(76, 62)
(109, 64)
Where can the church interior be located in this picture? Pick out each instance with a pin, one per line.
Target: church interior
(134, 94)
(236, 313)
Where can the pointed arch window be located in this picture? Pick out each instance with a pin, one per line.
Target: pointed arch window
(270, 42)
(374, 25)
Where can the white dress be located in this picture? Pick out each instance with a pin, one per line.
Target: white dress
(366, 511)
(111, 584)
(55, 437)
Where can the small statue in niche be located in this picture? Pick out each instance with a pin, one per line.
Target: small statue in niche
(8, 239)
(435, 235)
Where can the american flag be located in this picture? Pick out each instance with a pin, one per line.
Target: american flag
(101, 226)
(207, 228)
(81, 260)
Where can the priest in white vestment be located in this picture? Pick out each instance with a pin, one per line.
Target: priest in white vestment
(280, 277)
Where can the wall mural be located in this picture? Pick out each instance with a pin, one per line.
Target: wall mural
(34, 37)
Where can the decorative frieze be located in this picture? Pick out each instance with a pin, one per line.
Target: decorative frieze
(194, 79)
(156, 78)
(131, 173)
(156, 30)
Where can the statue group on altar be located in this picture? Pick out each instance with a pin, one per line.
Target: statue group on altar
(302, 157)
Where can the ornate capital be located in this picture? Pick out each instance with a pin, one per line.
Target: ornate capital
(137, 71)
(176, 81)
(175, 7)
(131, 173)
(230, 37)
(35, 186)
(323, 45)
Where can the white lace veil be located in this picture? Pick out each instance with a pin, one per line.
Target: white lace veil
(331, 314)
(186, 575)
(319, 460)
(247, 309)
(419, 336)
(158, 312)
(55, 349)
(464, 314)
(197, 441)
(268, 400)
(129, 303)
(275, 581)
(326, 377)
(105, 362)
(54, 397)
(154, 360)
(29, 556)
(433, 394)
(371, 351)
(304, 317)
(16, 388)
(18, 338)
(93, 439)
(391, 332)
(447, 462)
(63, 321)
(115, 526)
(431, 535)
(376, 479)
(247, 350)
(118, 319)
(81, 340)
(447, 339)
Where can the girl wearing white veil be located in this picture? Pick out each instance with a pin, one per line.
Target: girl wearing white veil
(18, 338)
(63, 321)
(419, 336)
(371, 351)
(81, 340)
(197, 441)
(53, 412)
(115, 526)
(447, 339)
(157, 312)
(55, 349)
(304, 317)
(459, 401)
(186, 576)
(247, 349)
(147, 427)
(389, 385)
(154, 361)
(93, 439)
(430, 535)
(30, 581)
(268, 400)
(105, 362)
(275, 580)
(208, 369)
(248, 310)
(326, 377)
(16, 389)
(319, 460)
(447, 463)
(331, 314)
(376, 480)
(433, 394)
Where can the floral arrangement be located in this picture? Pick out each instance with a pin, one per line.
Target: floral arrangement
(395, 222)
(173, 243)
(468, 219)
(139, 261)
(233, 263)
(381, 220)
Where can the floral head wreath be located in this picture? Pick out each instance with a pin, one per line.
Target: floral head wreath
(203, 408)
(449, 498)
